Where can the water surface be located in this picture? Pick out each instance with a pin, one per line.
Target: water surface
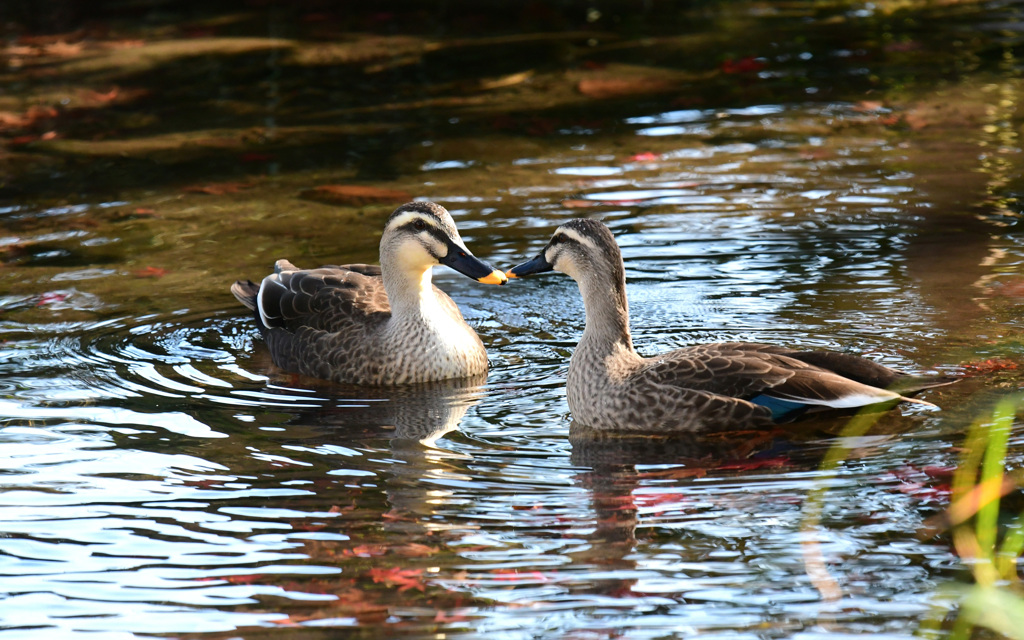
(162, 478)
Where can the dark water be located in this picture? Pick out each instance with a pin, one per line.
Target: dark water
(162, 478)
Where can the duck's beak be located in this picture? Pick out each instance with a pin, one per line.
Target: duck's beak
(537, 265)
(470, 266)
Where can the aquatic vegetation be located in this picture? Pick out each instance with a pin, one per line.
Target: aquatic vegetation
(990, 545)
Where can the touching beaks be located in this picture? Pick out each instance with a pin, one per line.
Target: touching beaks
(530, 267)
(470, 266)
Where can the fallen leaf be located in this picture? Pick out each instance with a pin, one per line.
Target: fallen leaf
(646, 156)
(364, 551)
(414, 550)
(150, 272)
(681, 472)
(40, 112)
(95, 97)
(300, 525)
(865, 106)
(63, 49)
(988, 366)
(615, 87)
(20, 50)
(578, 204)
(354, 195)
(938, 471)
(404, 578)
(12, 119)
(244, 579)
(51, 298)
(749, 64)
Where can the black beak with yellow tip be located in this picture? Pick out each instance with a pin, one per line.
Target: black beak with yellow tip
(530, 267)
(470, 266)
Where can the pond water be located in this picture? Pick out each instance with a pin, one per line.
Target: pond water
(830, 176)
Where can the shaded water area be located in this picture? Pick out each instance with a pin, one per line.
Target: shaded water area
(834, 175)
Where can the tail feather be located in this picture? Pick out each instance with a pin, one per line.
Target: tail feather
(871, 373)
(245, 291)
(913, 384)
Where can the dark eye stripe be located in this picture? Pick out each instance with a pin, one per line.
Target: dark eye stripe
(441, 236)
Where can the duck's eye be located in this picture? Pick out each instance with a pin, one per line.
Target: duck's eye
(558, 239)
(419, 225)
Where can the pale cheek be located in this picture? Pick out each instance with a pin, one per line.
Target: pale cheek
(437, 249)
(566, 266)
(414, 258)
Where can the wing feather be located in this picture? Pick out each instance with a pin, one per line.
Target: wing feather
(330, 298)
(747, 370)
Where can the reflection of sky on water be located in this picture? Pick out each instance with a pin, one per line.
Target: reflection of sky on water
(163, 478)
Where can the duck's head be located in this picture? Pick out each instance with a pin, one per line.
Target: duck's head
(419, 235)
(579, 248)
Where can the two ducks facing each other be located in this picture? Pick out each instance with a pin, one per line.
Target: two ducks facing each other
(390, 325)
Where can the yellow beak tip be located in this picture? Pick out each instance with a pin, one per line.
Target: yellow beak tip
(510, 275)
(494, 277)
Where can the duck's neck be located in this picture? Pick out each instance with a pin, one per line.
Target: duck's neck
(410, 294)
(607, 328)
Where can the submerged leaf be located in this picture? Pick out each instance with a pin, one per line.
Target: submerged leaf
(355, 195)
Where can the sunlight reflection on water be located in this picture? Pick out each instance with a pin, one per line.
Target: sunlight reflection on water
(162, 477)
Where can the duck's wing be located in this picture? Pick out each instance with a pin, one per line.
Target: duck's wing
(380, 298)
(330, 298)
(771, 376)
(732, 369)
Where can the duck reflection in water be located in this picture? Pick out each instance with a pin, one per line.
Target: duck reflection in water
(619, 499)
(420, 413)
(637, 484)
(401, 426)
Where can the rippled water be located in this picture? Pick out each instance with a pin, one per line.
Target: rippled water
(162, 478)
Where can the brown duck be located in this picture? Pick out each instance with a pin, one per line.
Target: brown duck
(370, 325)
(703, 388)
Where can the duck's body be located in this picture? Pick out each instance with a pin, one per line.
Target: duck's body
(708, 387)
(364, 324)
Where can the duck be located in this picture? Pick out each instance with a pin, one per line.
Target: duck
(703, 388)
(375, 325)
